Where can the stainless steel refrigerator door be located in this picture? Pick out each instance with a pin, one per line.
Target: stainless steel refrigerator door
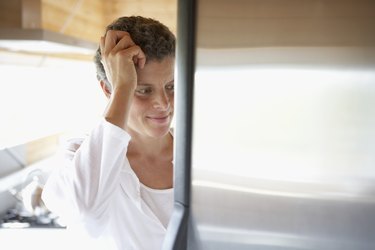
(283, 150)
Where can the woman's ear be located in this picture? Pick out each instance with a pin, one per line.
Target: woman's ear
(105, 88)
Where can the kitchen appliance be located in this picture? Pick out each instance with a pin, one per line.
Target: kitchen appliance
(30, 211)
(275, 118)
(21, 31)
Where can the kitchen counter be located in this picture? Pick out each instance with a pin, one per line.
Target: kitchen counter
(49, 238)
(35, 238)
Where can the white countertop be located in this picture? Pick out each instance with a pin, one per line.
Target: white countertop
(38, 239)
(47, 239)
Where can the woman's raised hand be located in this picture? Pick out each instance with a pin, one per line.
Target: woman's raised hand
(120, 56)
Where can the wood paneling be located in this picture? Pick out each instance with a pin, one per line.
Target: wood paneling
(163, 10)
(39, 149)
(83, 19)
(287, 23)
(88, 19)
(10, 16)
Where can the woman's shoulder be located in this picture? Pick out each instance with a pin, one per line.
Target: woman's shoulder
(69, 146)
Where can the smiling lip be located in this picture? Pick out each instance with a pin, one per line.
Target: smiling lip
(159, 119)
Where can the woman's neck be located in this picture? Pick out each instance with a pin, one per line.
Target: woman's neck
(149, 146)
(151, 160)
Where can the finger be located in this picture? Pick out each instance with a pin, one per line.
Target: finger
(124, 43)
(112, 37)
(141, 60)
(127, 42)
(135, 60)
(101, 44)
(137, 55)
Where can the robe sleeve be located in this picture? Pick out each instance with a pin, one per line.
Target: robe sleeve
(83, 187)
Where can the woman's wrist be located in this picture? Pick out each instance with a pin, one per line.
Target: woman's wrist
(124, 90)
(117, 110)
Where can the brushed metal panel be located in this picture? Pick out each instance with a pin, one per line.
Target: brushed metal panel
(284, 118)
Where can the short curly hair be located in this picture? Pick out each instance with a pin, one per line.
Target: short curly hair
(154, 38)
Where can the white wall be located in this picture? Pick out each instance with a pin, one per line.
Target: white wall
(41, 96)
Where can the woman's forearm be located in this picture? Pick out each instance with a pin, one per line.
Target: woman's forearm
(117, 111)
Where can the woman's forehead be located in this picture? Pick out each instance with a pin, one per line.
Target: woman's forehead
(157, 70)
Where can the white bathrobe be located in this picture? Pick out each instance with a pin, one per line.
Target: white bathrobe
(98, 189)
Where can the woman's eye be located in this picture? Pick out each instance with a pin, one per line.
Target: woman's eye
(144, 91)
(170, 87)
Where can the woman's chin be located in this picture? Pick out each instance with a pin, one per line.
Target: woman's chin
(159, 133)
(158, 130)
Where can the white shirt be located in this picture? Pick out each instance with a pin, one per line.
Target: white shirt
(99, 189)
(159, 201)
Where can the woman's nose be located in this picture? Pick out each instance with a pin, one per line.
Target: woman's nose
(162, 102)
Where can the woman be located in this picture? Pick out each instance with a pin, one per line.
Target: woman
(119, 182)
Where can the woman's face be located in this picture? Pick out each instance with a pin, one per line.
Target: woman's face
(152, 109)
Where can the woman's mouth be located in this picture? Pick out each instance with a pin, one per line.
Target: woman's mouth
(159, 119)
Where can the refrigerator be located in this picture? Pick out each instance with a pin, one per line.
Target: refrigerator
(275, 125)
